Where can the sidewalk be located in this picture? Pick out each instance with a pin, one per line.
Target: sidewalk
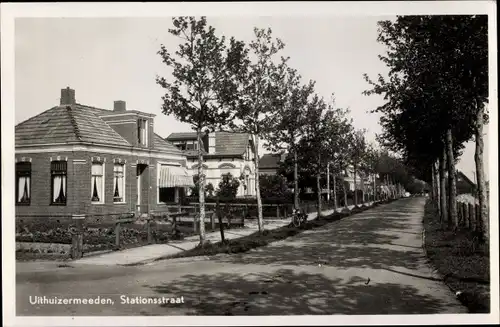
(154, 251)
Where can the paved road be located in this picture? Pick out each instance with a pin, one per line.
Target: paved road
(369, 263)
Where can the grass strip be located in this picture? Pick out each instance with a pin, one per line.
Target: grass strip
(461, 259)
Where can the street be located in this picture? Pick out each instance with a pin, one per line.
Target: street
(369, 263)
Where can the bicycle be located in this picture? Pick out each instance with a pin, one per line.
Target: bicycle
(299, 218)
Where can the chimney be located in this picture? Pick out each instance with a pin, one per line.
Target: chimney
(67, 96)
(120, 106)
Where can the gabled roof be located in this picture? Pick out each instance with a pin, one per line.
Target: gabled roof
(182, 136)
(162, 145)
(76, 123)
(227, 143)
(269, 160)
(67, 124)
(465, 178)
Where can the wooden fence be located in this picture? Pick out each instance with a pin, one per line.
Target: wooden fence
(469, 216)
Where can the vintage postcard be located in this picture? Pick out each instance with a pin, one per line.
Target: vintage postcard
(305, 163)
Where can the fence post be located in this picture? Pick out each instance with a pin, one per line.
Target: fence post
(464, 214)
(77, 239)
(148, 222)
(472, 217)
(212, 220)
(479, 222)
(117, 235)
(195, 225)
(459, 214)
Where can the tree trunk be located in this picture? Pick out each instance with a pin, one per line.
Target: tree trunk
(481, 182)
(437, 192)
(442, 187)
(355, 193)
(452, 183)
(295, 180)
(374, 187)
(334, 193)
(328, 182)
(345, 192)
(260, 219)
(318, 186)
(201, 189)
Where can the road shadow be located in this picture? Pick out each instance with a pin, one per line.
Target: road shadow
(377, 238)
(287, 292)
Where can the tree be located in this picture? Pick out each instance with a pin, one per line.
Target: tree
(228, 187)
(258, 95)
(288, 118)
(273, 186)
(202, 93)
(430, 93)
(337, 144)
(209, 188)
(356, 156)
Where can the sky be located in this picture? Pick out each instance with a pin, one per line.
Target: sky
(108, 59)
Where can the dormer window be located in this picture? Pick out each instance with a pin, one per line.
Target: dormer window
(142, 132)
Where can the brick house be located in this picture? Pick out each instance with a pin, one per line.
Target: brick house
(75, 159)
(223, 153)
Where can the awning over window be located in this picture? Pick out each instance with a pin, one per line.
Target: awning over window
(174, 176)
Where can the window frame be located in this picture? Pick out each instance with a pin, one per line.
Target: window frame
(103, 183)
(19, 174)
(59, 173)
(142, 139)
(124, 181)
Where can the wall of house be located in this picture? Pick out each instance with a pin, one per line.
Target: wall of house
(125, 124)
(79, 186)
(216, 167)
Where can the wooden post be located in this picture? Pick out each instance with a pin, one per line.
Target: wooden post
(459, 215)
(77, 240)
(117, 235)
(472, 217)
(150, 236)
(277, 211)
(479, 222)
(212, 220)
(219, 218)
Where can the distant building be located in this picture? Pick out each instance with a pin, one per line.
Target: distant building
(269, 163)
(223, 153)
(464, 184)
(75, 159)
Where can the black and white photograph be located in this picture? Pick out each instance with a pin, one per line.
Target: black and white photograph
(301, 163)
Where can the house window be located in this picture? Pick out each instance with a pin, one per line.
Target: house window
(142, 131)
(59, 171)
(167, 194)
(97, 185)
(23, 183)
(119, 183)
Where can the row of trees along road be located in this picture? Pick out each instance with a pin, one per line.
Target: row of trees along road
(435, 99)
(227, 85)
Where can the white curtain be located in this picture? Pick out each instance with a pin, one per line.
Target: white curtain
(97, 181)
(63, 178)
(119, 181)
(120, 186)
(23, 183)
(57, 187)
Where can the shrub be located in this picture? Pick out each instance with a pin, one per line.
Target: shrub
(228, 186)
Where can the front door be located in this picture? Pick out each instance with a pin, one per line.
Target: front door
(138, 200)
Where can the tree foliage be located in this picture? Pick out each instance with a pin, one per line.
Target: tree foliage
(228, 186)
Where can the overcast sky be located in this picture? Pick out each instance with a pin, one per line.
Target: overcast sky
(107, 59)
